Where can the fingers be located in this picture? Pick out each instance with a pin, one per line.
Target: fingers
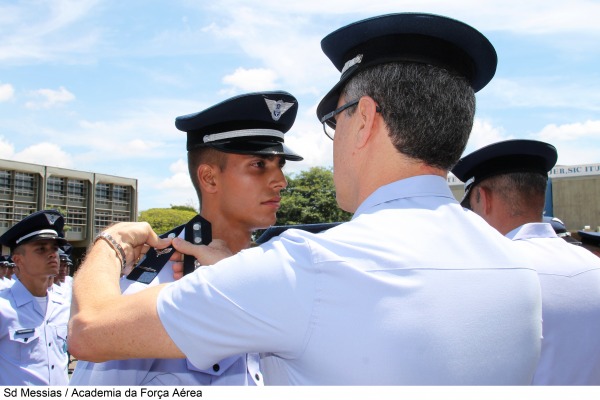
(206, 255)
(135, 237)
(187, 248)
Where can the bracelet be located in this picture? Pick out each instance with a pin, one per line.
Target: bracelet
(114, 245)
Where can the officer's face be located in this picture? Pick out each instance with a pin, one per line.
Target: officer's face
(249, 190)
(37, 259)
(342, 177)
(3, 271)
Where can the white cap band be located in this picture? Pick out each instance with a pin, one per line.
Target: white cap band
(36, 233)
(243, 133)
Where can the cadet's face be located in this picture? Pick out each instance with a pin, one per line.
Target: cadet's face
(3, 271)
(250, 189)
(37, 259)
(62, 271)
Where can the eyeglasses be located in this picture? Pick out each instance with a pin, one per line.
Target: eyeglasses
(329, 121)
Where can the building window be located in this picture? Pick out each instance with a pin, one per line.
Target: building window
(121, 217)
(24, 184)
(55, 189)
(76, 190)
(102, 194)
(76, 219)
(22, 210)
(103, 220)
(121, 195)
(5, 181)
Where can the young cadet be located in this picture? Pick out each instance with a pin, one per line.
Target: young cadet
(33, 319)
(236, 153)
(395, 296)
(506, 186)
(5, 272)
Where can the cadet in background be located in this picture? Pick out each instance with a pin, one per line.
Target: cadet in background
(33, 319)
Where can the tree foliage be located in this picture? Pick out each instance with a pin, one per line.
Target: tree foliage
(164, 219)
(186, 207)
(310, 198)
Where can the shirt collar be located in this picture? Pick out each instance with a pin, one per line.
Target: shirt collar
(416, 186)
(532, 230)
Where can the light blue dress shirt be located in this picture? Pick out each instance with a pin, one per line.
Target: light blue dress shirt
(414, 290)
(33, 342)
(233, 370)
(570, 280)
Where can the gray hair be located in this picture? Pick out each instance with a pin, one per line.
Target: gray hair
(428, 110)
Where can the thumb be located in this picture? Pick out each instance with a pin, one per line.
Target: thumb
(187, 248)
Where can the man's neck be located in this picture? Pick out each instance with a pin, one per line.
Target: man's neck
(38, 287)
(236, 237)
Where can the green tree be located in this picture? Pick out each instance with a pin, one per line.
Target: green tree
(164, 219)
(310, 198)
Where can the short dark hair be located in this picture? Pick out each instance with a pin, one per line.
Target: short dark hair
(428, 110)
(204, 155)
(523, 192)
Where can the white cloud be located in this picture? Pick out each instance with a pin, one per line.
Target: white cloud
(6, 92)
(180, 178)
(484, 133)
(145, 132)
(50, 98)
(176, 189)
(46, 30)
(251, 80)
(6, 148)
(556, 92)
(45, 154)
(570, 132)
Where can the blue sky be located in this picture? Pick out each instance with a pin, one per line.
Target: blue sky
(95, 85)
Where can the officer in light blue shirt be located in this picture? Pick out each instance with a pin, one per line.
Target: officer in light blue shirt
(244, 135)
(413, 290)
(33, 320)
(506, 185)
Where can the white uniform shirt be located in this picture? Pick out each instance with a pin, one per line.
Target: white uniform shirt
(413, 291)
(234, 370)
(33, 343)
(6, 283)
(570, 280)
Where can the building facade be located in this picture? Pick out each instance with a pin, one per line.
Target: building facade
(89, 201)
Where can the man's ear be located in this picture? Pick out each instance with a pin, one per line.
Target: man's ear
(367, 112)
(487, 199)
(16, 257)
(207, 178)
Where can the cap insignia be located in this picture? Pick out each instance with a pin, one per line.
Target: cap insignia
(350, 63)
(51, 218)
(277, 108)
